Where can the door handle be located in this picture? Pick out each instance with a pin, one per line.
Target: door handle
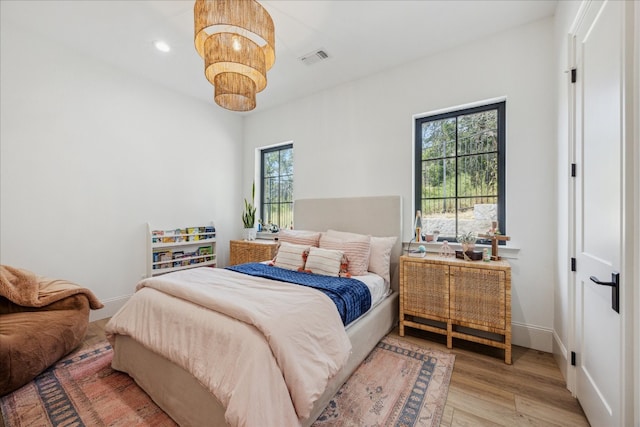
(615, 289)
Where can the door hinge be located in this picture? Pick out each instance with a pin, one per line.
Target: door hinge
(573, 170)
(573, 264)
(573, 358)
(574, 75)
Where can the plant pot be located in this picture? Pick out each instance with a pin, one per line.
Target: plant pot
(249, 233)
(468, 247)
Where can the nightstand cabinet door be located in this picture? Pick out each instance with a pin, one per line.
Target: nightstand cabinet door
(425, 290)
(241, 251)
(478, 298)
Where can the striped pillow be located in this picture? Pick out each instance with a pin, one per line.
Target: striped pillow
(299, 237)
(324, 261)
(356, 248)
(291, 257)
(380, 255)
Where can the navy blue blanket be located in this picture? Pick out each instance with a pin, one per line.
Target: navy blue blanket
(351, 297)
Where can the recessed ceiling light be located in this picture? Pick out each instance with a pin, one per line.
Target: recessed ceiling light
(162, 46)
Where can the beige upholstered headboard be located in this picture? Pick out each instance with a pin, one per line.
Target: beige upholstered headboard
(377, 216)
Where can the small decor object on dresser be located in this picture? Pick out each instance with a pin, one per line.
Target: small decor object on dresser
(469, 255)
(417, 226)
(171, 249)
(495, 239)
(421, 252)
(468, 242)
(445, 250)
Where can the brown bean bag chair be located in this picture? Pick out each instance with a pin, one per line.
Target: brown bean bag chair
(41, 320)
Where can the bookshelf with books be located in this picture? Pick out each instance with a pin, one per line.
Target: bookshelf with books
(173, 249)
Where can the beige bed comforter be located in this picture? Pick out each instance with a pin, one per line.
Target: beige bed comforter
(265, 349)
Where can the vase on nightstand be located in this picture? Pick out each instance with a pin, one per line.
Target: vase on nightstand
(249, 233)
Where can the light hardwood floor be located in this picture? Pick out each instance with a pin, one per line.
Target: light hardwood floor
(484, 391)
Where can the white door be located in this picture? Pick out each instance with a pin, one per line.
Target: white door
(599, 59)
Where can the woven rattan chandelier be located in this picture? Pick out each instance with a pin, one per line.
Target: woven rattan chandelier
(236, 39)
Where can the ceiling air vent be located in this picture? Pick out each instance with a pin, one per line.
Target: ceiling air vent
(313, 57)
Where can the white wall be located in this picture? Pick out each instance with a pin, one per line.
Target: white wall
(356, 140)
(89, 154)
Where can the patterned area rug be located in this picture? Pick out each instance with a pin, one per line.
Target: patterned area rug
(398, 384)
(82, 390)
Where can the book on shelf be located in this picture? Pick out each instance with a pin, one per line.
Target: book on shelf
(169, 236)
(193, 234)
(205, 250)
(177, 256)
(188, 234)
(160, 257)
(157, 236)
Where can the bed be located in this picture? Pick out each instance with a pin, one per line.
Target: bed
(183, 390)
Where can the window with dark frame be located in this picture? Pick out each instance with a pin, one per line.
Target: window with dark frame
(460, 171)
(276, 194)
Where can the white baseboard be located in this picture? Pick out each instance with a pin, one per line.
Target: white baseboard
(111, 307)
(533, 337)
(561, 355)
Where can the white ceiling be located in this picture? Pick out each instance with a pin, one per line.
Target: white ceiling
(361, 37)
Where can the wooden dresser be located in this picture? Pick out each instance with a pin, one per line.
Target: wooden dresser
(242, 251)
(470, 300)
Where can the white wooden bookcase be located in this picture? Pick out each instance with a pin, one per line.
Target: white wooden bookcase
(180, 248)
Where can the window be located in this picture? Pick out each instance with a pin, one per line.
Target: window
(460, 164)
(276, 198)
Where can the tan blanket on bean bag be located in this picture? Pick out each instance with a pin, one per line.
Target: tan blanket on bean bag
(41, 320)
(24, 288)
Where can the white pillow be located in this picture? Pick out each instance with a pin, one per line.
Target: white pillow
(299, 237)
(291, 256)
(380, 257)
(357, 248)
(324, 261)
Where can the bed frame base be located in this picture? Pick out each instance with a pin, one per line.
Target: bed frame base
(189, 403)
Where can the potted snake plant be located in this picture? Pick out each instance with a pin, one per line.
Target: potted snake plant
(249, 216)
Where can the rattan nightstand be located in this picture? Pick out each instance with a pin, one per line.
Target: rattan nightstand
(470, 300)
(242, 251)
